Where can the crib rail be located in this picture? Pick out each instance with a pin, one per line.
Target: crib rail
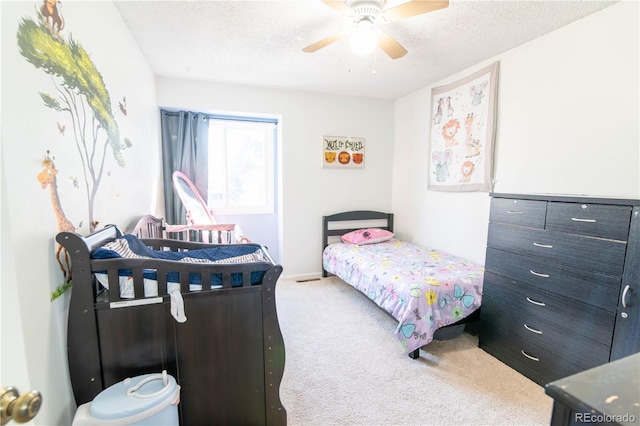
(207, 277)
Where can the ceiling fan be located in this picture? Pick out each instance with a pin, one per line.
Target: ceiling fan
(366, 14)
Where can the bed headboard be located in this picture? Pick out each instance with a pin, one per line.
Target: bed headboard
(338, 224)
(147, 226)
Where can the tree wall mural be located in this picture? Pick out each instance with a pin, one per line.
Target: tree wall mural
(80, 93)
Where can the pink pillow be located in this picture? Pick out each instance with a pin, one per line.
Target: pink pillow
(367, 236)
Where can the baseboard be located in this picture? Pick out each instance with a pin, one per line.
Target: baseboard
(302, 277)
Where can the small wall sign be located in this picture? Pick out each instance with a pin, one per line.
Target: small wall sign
(342, 152)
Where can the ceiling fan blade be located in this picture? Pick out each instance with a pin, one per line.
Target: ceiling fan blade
(324, 42)
(339, 6)
(413, 8)
(390, 46)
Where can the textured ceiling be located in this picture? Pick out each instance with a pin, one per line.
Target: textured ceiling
(259, 43)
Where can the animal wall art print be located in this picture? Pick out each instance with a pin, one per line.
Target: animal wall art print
(342, 152)
(462, 133)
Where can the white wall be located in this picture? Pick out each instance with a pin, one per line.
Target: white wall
(29, 129)
(308, 190)
(567, 124)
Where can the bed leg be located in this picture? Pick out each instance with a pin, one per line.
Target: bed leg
(415, 354)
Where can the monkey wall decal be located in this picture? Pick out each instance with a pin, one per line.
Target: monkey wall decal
(52, 17)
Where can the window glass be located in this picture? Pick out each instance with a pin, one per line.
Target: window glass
(241, 173)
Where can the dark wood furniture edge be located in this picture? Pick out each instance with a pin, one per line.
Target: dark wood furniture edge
(616, 378)
(630, 293)
(274, 350)
(561, 414)
(568, 198)
(83, 345)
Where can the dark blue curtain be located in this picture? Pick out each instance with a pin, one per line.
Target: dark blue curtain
(184, 148)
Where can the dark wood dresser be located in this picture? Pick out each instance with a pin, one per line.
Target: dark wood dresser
(562, 283)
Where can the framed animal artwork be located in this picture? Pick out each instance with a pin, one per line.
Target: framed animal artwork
(342, 152)
(463, 121)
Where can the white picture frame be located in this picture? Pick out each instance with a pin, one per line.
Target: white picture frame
(343, 152)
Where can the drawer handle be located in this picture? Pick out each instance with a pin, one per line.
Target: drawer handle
(549, 246)
(624, 296)
(533, 358)
(576, 219)
(514, 212)
(533, 330)
(538, 274)
(535, 302)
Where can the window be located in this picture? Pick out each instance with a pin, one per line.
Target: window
(241, 166)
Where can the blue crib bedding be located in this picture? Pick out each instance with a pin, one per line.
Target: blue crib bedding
(131, 247)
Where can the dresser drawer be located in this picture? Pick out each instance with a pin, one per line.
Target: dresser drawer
(588, 253)
(588, 287)
(575, 348)
(537, 364)
(518, 212)
(539, 305)
(596, 220)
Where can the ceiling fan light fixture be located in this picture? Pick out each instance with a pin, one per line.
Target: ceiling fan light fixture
(367, 13)
(363, 40)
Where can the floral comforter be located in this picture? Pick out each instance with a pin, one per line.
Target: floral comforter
(424, 289)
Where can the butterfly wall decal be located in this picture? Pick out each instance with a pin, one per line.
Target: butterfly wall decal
(123, 105)
(74, 180)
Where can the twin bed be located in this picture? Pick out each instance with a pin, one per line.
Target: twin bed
(431, 293)
(205, 313)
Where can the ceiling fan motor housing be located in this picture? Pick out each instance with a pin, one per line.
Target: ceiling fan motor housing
(366, 9)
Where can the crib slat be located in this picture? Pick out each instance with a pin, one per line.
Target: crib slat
(246, 279)
(205, 280)
(226, 280)
(161, 276)
(184, 282)
(114, 285)
(138, 285)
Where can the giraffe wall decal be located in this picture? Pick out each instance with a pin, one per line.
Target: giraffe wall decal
(47, 177)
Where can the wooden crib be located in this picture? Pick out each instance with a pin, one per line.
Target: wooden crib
(228, 357)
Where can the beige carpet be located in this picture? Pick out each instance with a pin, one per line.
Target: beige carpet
(344, 366)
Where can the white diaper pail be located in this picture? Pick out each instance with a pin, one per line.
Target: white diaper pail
(150, 399)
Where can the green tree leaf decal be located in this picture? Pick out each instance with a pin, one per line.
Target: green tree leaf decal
(81, 93)
(50, 101)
